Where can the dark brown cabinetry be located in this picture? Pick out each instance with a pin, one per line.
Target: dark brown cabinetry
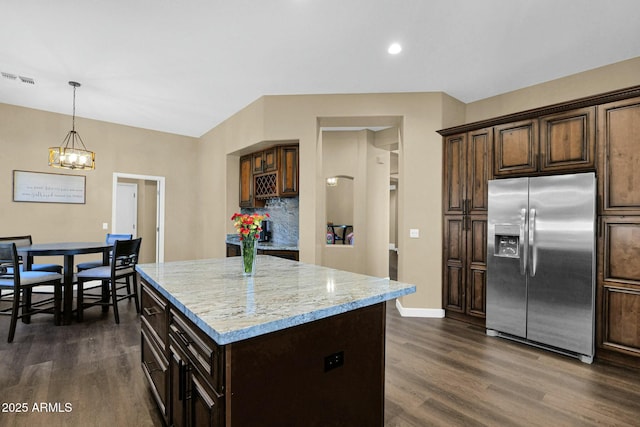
(246, 181)
(272, 172)
(568, 141)
(619, 240)
(234, 250)
(600, 133)
(467, 171)
(183, 366)
(196, 366)
(557, 143)
(516, 148)
(326, 370)
(155, 365)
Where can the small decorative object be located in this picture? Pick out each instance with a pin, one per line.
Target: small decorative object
(249, 227)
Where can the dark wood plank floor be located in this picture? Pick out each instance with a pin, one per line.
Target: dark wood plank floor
(440, 372)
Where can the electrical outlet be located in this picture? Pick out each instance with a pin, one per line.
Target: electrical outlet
(414, 233)
(333, 361)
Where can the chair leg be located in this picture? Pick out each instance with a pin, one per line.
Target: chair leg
(26, 294)
(135, 294)
(114, 298)
(14, 316)
(57, 303)
(105, 295)
(80, 300)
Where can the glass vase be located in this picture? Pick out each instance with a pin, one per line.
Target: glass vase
(249, 252)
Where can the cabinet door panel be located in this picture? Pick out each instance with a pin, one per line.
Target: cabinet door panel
(455, 154)
(621, 250)
(619, 156)
(622, 320)
(478, 170)
(454, 248)
(246, 182)
(155, 370)
(270, 159)
(204, 409)
(568, 141)
(516, 148)
(289, 171)
(476, 255)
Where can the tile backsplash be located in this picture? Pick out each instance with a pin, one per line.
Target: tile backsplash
(284, 219)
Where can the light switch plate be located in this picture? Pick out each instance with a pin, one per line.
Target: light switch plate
(105, 226)
(414, 233)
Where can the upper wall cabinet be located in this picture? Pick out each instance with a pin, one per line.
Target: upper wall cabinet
(568, 141)
(619, 157)
(272, 172)
(516, 148)
(555, 143)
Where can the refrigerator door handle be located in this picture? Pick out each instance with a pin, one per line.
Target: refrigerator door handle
(532, 243)
(523, 246)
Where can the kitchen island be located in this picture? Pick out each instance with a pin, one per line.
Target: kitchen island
(297, 344)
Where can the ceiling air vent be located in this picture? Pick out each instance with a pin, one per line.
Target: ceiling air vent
(23, 79)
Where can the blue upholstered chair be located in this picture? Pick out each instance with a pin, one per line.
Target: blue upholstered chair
(116, 278)
(21, 284)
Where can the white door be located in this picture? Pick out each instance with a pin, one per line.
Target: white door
(127, 209)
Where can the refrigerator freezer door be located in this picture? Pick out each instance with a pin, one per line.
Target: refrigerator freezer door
(506, 256)
(562, 256)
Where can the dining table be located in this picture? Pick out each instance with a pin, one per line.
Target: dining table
(68, 250)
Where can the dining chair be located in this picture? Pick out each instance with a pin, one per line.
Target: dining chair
(122, 267)
(21, 284)
(110, 239)
(27, 241)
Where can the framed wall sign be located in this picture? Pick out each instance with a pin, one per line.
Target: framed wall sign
(44, 187)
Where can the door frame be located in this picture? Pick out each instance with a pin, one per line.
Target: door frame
(160, 203)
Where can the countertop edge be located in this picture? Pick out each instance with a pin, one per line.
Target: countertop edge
(280, 324)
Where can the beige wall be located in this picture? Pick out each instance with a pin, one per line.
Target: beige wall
(600, 80)
(25, 136)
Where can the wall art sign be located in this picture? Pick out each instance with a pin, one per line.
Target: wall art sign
(41, 187)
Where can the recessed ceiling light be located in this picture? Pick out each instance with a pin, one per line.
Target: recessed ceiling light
(394, 49)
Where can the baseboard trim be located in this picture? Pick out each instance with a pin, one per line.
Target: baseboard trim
(419, 312)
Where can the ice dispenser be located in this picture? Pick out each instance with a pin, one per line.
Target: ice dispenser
(507, 242)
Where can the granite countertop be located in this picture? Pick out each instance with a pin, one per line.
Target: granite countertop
(234, 239)
(230, 307)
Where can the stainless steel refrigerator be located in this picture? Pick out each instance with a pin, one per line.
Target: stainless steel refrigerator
(541, 262)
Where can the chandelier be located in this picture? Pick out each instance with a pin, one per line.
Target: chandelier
(72, 154)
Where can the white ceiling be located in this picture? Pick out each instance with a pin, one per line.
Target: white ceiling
(185, 66)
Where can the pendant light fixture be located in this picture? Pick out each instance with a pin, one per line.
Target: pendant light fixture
(72, 154)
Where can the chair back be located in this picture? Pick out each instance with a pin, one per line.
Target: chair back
(125, 254)
(9, 263)
(20, 241)
(111, 238)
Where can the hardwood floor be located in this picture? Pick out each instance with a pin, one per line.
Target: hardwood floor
(439, 372)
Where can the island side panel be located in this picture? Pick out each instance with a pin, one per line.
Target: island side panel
(286, 377)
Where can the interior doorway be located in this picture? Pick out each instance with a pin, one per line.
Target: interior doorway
(151, 194)
(127, 209)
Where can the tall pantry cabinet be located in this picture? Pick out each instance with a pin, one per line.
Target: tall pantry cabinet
(619, 237)
(467, 169)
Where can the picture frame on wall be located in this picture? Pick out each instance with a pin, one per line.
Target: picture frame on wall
(43, 187)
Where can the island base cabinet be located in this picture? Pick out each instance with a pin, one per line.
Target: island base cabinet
(329, 372)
